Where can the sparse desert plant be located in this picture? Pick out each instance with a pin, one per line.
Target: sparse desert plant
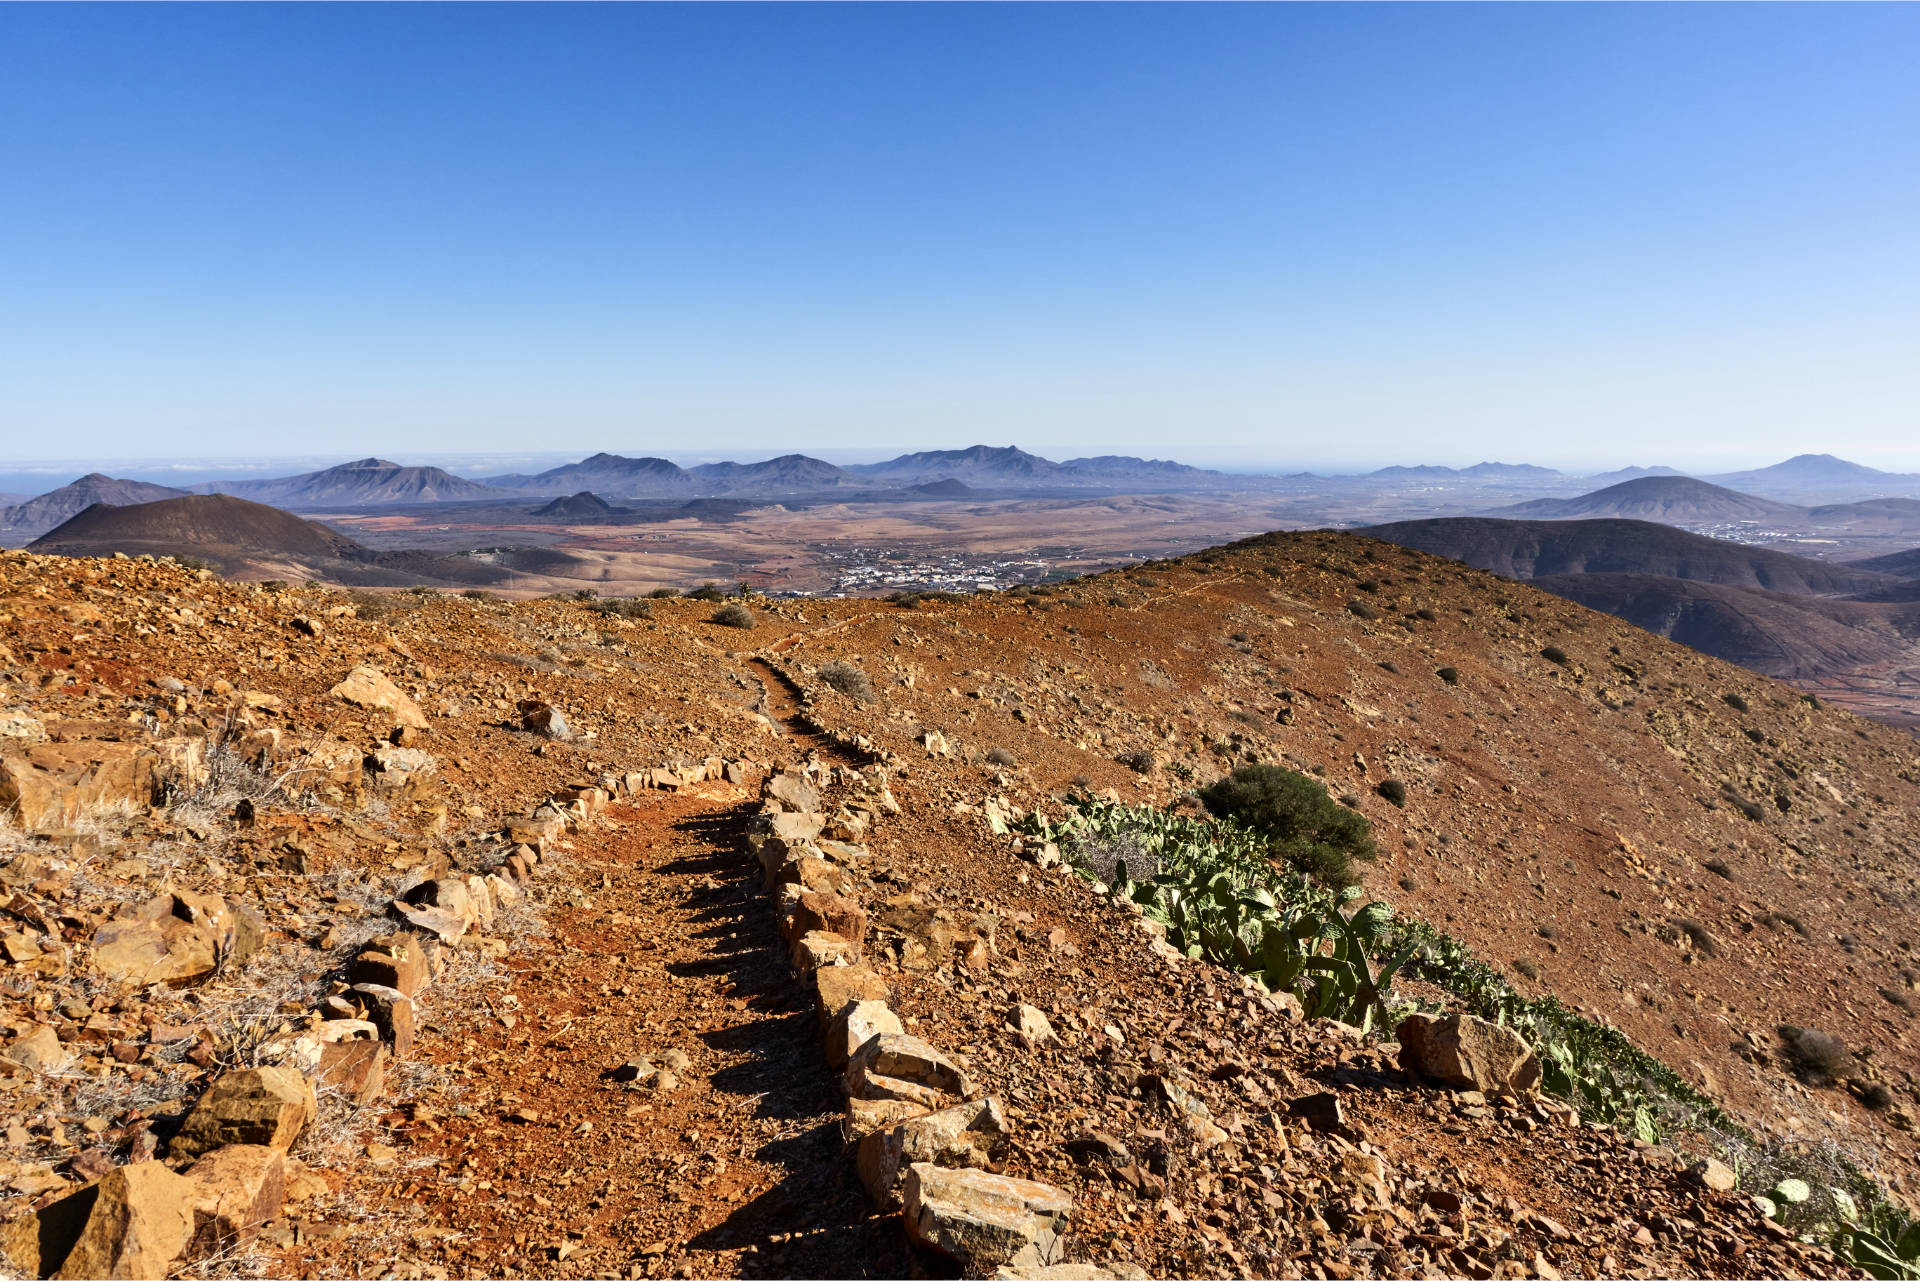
(624, 607)
(708, 591)
(1736, 702)
(1394, 792)
(1451, 675)
(663, 593)
(1817, 1057)
(847, 679)
(734, 615)
(1527, 968)
(1138, 762)
(474, 593)
(1001, 757)
(1360, 609)
(1698, 935)
(1719, 867)
(1554, 654)
(1426, 615)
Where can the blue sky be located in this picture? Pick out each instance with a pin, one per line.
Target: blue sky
(1244, 235)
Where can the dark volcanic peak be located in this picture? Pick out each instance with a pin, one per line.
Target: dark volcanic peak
(38, 515)
(948, 488)
(580, 506)
(1120, 469)
(608, 474)
(196, 524)
(366, 482)
(1533, 549)
(1671, 500)
(787, 474)
(252, 540)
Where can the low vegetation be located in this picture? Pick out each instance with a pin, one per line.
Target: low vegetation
(1313, 834)
(844, 677)
(1228, 892)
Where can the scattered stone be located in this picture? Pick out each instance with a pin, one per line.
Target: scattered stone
(896, 1066)
(985, 1221)
(1321, 1111)
(139, 1223)
(1030, 1025)
(544, 719)
(1710, 1173)
(1467, 1053)
(268, 1106)
(835, 986)
(368, 687)
(962, 1135)
(855, 1025)
(39, 1050)
(234, 1189)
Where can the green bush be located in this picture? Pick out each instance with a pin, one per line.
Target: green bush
(734, 615)
(1451, 675)
(1360, 609)
(708, 591)
(1394, 792)
(663, 593)
(1554, 654)
(1311, 831)
(1736, 702)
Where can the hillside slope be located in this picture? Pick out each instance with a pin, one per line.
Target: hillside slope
(1677, 846)
(1538, 548)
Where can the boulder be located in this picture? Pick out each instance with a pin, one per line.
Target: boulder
(815, 950)
(793, 792)
(368, 687)
(855, 1025)
(1710, 1173)
(175, 938)
(795, 827)
(896, 1066)
(1467, 1053)
(35, 1245)
(357, 1068)
(837, 985)
(831, 913)
(395, 768)
(139, 1224)
(962, 1135)
(397, 961)
(52, 785)
(391, 1011)
(233, 1190)
(39, 1050)
(1030, 1025)
(267, 1106)
(985, 1221)
(544, 719)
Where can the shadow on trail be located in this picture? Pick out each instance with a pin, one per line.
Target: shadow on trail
(815, 1221)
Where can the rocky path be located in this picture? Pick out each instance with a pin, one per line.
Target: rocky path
(720, 1155)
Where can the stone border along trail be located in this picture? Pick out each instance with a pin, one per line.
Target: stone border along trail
(646, 1100)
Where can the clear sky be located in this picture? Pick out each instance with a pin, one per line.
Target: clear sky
(1242, 235)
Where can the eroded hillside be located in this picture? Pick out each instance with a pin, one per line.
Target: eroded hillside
(612, 1068)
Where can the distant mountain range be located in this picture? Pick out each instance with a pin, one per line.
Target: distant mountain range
(369, 482)
(36, 516)
(1479, 471)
